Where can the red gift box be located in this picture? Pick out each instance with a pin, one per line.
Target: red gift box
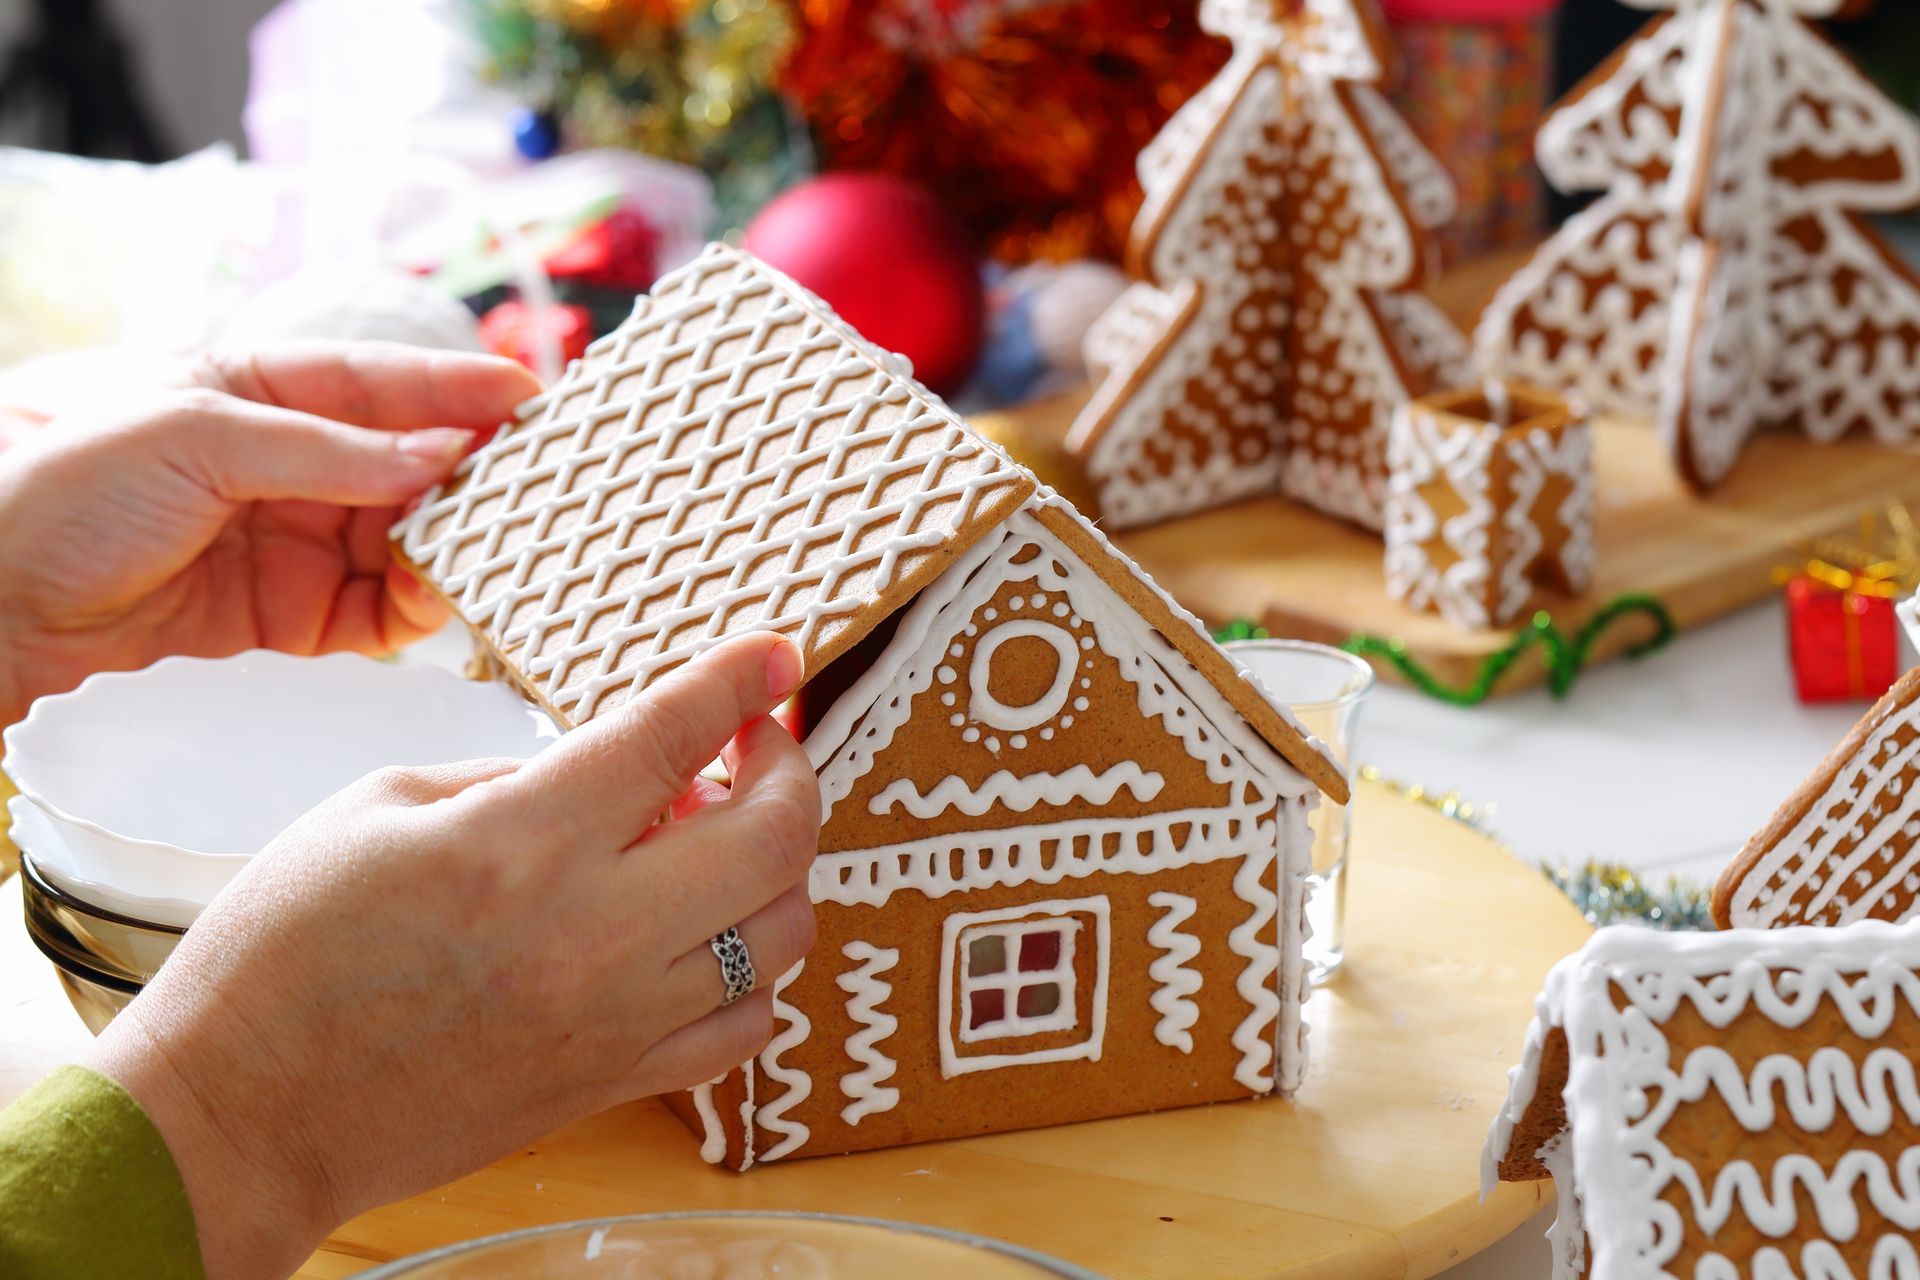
(1844, 643)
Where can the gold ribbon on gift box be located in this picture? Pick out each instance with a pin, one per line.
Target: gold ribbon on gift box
(1883, 563)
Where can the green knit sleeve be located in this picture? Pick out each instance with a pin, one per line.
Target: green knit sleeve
(88, 1188)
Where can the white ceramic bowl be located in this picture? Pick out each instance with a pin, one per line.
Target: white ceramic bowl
(145, 792)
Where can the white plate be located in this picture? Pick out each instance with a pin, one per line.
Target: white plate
(157, 786)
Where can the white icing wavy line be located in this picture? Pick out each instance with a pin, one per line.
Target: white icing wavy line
(1867, 1091)
(1768, 1202)
(1893, 1258)
(1621, 1166)
(1258, 1053)
(1019, 792)
(771, 1115)
(866, 1094)
(1174, 984)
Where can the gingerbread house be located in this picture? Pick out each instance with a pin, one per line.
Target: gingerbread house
(1064, 842)
(1725, 1104)
(1846, 845)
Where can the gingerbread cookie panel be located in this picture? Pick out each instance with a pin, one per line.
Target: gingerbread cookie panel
(1846, 845)
(732, 458)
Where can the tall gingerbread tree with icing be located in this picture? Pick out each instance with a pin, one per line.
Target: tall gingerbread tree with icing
(1275, 322)
(1724, 280)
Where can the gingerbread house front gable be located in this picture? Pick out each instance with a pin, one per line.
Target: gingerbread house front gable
(1061, 873)
(1724, 1104)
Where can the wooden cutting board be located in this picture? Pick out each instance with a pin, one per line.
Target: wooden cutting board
(1302, 574)
(1373, 1172)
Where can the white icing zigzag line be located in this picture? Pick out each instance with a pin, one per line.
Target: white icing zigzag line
(863, 1087)
(1019, 792)
(1894, 1258)
(1255, 983)
(1866, 1090)
(1893, 1191)
(771, 1114)
(1174, 984)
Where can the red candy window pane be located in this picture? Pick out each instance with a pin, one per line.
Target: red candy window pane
(1039, 1001)
(986, 1007)
(987, 955)
(1040, 951)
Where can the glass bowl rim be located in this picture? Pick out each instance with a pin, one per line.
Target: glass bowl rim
(31, 877)
(399, 1267)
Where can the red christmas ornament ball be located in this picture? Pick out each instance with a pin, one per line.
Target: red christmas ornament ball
(889, 259)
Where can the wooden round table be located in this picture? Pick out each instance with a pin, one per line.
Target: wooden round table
(1373, 1171)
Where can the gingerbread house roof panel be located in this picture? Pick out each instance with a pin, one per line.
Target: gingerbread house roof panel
(732, 458)
(1846, 845)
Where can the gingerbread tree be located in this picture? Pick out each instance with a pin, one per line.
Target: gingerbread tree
(1276, 321)
(1724, 280)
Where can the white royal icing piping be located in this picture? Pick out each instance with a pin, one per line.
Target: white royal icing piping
(1621, 1061)
(713, 1137)
(1870, 799)
(987, 709)
(557, 583)
(1175, 984)
(1019, 792)
(1167, 686)
(867, 991)
(952, 1061)
(772, 1114)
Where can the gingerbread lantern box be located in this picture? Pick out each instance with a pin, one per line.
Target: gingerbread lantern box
(1064, 844)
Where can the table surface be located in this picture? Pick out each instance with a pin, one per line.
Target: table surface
(1372, 1172)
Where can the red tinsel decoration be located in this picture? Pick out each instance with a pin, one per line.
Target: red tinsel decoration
(1024, 118)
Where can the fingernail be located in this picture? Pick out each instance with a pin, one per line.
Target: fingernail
(435, 444)
(784, 668)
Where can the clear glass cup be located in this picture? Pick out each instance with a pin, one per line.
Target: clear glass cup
(1323, 688)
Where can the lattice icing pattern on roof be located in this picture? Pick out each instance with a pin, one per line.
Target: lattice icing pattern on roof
(732, 458)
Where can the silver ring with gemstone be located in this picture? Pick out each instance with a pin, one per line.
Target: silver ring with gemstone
(736, 966)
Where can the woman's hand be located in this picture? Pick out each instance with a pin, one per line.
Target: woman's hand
(437, 966)
(247, 508)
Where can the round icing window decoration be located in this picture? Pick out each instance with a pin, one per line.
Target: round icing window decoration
(990, 710)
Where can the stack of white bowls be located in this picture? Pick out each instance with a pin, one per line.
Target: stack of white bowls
(141, 794)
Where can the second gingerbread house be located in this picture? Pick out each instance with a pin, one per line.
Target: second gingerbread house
(1062, 865)
(1722, 1105)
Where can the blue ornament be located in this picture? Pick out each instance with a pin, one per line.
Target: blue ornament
(536, 134)
(1010, 364)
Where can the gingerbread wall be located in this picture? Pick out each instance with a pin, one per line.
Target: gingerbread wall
(1030, 753)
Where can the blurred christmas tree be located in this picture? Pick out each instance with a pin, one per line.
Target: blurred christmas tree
(686, 80)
